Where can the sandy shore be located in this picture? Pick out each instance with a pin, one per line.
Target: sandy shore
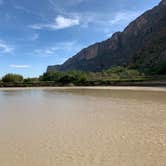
(133, 88)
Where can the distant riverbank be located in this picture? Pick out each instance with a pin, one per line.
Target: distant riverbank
(132, 88)
(157, 83)
(116, 76)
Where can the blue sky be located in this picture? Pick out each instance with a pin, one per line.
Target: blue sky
(38, 33)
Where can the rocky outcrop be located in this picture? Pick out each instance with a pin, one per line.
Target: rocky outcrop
(124, 48)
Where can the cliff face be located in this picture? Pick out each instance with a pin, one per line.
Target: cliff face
(142, 44)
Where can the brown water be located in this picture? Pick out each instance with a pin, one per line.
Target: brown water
(82, 127)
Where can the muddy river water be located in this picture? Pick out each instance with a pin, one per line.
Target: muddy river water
(82, 127)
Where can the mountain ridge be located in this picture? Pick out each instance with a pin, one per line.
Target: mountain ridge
(124, 48)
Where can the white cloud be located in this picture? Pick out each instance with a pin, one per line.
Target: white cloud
(102, 21)
(60, 22)
(19, 66)
(5, 48)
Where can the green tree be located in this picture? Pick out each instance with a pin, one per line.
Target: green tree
(12, 78)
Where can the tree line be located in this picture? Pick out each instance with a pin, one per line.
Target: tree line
(75, 78)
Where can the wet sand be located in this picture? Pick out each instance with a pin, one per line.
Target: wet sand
(94, 126)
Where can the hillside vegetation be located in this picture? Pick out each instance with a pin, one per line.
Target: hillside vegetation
(114, 76)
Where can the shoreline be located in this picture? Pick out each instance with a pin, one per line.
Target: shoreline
(131, 88)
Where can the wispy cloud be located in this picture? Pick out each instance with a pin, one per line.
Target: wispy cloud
(29, 11)
(110, 22)
(63, 3)
(59, 22)
(97, 20)
(55, 49)
(34, 37)
(19, 66)
(124, 16)
(21, 8)
(45, 52)
(119, 20)
(5, 48)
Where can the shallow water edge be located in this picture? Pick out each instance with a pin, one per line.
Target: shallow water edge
(133, 88)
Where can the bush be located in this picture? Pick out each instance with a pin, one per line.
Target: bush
(122, 73)
(51, 76)
(12, 78)
(31, 80)
(74, 77)
(159, 69)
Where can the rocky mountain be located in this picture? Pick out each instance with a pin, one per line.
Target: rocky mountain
(141, 45)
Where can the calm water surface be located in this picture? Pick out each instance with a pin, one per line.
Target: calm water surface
(82, 128)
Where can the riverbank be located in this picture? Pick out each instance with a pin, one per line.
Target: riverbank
(132, 88)
(146, 83)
